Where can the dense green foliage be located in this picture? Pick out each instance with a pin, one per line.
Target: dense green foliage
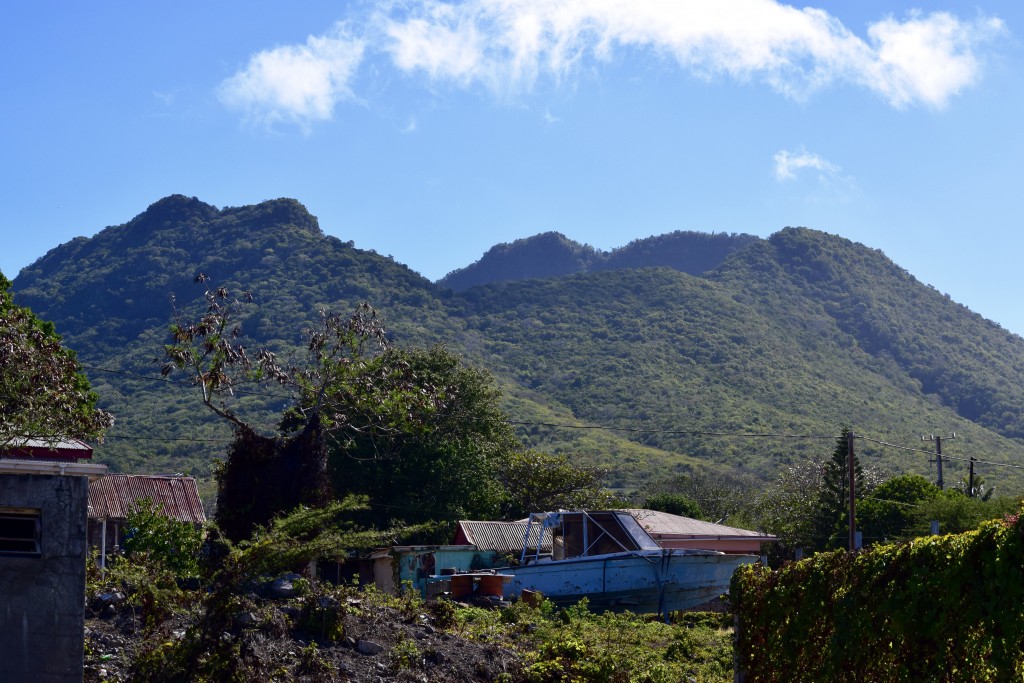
(947, 608)
(894, 509)
(673, 360)
(551, 254)
(914, 332)
(441, 461)
(716, 497)
(807, 505)
(535, 482)
(43, 393)
(576, 645)
(674, 504)
(795, 334)
(110, 295)
(169, 542)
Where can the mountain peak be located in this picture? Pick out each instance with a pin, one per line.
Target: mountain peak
(548, 254)
(275, 213)
(175, 209)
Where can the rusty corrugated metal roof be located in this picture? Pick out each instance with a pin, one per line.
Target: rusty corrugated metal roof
(503, 537)
(114, 496)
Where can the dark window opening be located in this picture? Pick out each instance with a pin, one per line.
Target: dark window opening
(20, 532)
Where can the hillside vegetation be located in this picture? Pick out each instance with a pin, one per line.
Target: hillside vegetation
(679, 344)
(552, 254)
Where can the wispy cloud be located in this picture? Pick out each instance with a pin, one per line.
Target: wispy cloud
(832, 184)
(301, 84)
(788, 164)
(508, 46)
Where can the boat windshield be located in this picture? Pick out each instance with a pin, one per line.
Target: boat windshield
(585, 534)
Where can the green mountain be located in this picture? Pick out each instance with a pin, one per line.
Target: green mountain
(111, 299)
(552, 254)
(727, 352)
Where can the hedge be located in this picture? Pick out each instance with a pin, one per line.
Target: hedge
(939, 608)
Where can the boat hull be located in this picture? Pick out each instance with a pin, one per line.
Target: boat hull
(644, 581)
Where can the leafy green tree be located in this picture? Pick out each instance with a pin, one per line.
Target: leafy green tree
(43, 393)
(170, 542)
(788, 507)
(673, 503)
(415, 430)
(539, 482)
(265, 474)
(717, 496)
(438, 459)
(956, 512)
(891, 511)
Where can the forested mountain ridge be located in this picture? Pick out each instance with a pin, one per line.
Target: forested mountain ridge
(552, 254)
(666, 344)
(970, 364)
(125, 275)
(111, 298)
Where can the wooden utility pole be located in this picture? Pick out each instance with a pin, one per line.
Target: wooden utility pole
(970, 480)
(938, 455)
(852, 478)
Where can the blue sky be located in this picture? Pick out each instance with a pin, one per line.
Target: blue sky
(433, 130)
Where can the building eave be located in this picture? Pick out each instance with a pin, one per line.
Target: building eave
(78, 469)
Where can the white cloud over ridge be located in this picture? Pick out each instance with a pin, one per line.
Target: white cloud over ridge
(508, 46)
(296, 83)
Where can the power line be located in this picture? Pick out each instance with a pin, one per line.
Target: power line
(947, 457)
(894, 445)
(237, 387)
(125, 373)
(677, 432)
(166, 438)
(894, 502)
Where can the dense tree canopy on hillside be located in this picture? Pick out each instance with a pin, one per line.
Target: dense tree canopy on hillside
(43, 393)
(795, 333)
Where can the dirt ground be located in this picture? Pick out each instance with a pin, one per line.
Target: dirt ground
(379, 643)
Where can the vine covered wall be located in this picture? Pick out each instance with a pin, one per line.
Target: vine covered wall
(939, 608)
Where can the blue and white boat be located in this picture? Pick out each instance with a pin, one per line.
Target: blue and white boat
(608, 558)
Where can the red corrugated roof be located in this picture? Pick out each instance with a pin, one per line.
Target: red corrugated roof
(59, 450)
(114, 496)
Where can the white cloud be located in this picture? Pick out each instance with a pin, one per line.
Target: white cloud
(507, 45)
(296, 83)
(926, 59)
(787, 164)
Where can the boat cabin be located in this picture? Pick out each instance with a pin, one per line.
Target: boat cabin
(584, 534)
